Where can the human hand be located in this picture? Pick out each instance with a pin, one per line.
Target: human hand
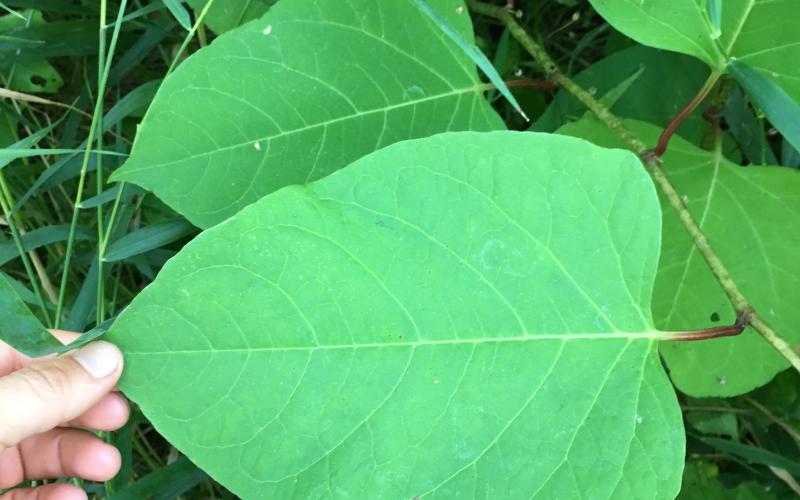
(41, 404)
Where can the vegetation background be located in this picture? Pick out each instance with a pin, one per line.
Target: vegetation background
(54, 58)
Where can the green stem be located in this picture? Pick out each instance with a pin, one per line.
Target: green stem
(98, 110)
(653, 163)
(101, 51)
(189, 36)
(676, 122)
(5, 202)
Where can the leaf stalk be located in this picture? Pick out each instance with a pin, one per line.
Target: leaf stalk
(652, 161)
(676, 122)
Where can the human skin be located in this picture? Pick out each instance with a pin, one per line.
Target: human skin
(46, 405)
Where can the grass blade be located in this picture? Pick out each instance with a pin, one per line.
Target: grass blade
(109, 195)
(180, 13)
(783, 111)
(714, 9)
(19, 328)
(148, 238)
(752, 454)
(9, 155)
(169, 482)
(474, 53)
(39, 238)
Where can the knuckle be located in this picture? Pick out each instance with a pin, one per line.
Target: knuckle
(49, 381)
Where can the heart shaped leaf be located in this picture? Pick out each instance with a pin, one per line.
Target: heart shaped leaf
(312, 86)
(751, 216)
(465, 315)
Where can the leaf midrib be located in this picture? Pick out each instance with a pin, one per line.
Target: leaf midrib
(646, 335)
(385, 109)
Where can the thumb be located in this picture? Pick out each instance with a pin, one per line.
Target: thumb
(45, 395)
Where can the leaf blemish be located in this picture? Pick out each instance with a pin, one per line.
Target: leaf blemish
(267, 29)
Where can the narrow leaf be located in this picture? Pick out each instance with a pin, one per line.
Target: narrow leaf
(166, 483)
(41, 237)
(93, 334)
(611, 97)
(11, 11)
(9, 155)
(148, 238)
(109, 195)
(752, 454)
(26, 142)
(19, 328)
(179, 12)
(783, 111)
(474, 53)
(747, 129)
(714, 9)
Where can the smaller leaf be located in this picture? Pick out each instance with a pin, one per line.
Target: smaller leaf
(474, 53)
(790, 156)
(614, 95)
(87, 337)
(41, 237)
(169, 482)
(24, 293)
(148, 238)
(747, 130)
(714, 9)
(180, 13)
(752, 454)
(25, 143)
(783, 111)
(19, 328)
(9, 155)
(11, 11)
(128, 193)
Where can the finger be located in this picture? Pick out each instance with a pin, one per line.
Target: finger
(59, 453)
(109, 414)
(47, 492)
(11, 360)
(46, 394)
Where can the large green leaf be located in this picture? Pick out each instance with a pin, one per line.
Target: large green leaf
(460, 316)
(750, 215)
(763, 33)
(312, 86)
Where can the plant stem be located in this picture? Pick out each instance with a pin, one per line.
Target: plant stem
(676, 122)
(529, 83)
(189, 36)
(713, 333)
(653, 163)
(101, 51)
(98, 110)
(6, 205)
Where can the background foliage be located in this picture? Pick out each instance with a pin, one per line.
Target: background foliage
(743, 446)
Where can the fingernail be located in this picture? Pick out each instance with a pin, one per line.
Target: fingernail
(99, 358)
